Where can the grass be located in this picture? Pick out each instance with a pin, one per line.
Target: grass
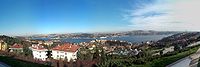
(156, 62)
(164, 61)
(18, 63)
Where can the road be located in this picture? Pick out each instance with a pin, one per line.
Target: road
(195, 58)
(184, 62)
(189, 61)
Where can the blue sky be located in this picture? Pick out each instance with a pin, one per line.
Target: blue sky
(61, 16)
(26, 17)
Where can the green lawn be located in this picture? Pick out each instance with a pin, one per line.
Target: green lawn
(18, 63)
(156, 62)
(163, 61)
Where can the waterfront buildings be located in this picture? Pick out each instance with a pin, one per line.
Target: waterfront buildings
(65, 52)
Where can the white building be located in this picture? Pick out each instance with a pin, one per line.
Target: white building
(66, 51)
(49, 43)
(39, 52)
(194, 44)
(169, 49)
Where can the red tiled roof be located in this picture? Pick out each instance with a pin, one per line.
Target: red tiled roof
(17, 46)
(67, 47)
(38, 47)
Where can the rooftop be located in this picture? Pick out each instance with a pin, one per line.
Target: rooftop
(67, 47)
(38, 47)
(17, 46)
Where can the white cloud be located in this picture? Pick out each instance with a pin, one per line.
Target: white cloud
(169, 15)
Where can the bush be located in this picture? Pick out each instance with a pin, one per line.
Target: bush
(18, 63)
(148, 61)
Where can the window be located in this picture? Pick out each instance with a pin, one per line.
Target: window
(65, 53)
(40, 55)
(57, 55)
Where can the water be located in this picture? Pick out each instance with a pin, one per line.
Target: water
(133, 39)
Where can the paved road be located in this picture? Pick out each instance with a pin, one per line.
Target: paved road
(184, 62)
(190, 61)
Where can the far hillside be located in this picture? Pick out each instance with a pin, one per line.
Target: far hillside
(180, 39)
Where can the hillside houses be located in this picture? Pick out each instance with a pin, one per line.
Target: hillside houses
(17, 48)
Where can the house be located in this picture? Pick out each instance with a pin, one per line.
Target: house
(49, 43)
(39, 52)
(40, 42)
(65, 52)
(3, 45)
(91, 46)
(17, 48)
(136, 51)
(169, 49)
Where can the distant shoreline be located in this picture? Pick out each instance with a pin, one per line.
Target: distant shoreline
(133, 39)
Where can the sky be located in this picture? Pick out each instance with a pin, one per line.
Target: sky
(27, 17)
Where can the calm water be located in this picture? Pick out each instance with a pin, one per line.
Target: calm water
(133, 39)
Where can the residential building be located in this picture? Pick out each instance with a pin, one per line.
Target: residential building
(3, 45)
(49, 43)
(39, 52)
(17, 48)
(65, 52)
(40, 42)
(169, 49)
(91, 46)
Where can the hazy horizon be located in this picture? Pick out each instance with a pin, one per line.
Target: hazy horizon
(29, 17)
(28, 34)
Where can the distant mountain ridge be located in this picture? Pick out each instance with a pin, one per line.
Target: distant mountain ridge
(110, 34)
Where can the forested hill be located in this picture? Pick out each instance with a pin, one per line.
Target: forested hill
(182, 39)
(10, 40)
